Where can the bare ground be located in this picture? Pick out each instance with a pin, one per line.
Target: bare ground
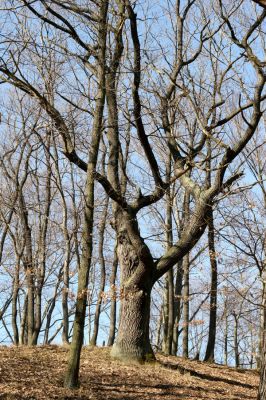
(37, 373)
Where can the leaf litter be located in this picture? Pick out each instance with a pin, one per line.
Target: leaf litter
(37, 373)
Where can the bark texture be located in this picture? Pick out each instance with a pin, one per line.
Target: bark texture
(186, 307)
(132, 342)
(209, 355)
(262, 386)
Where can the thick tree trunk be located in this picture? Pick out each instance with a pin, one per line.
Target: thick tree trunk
(136, 263)
(132, 341)
(209, 356)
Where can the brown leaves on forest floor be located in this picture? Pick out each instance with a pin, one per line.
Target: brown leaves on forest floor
(37, 374)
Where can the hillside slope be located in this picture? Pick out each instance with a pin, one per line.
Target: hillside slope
(37, 373)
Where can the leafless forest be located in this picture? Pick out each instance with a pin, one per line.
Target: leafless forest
(132, 176)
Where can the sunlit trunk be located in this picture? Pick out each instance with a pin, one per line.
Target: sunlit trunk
(113, 295)
(132, 342)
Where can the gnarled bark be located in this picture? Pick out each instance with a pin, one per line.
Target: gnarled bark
(132, 342)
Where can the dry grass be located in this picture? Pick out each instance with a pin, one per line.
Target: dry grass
(37, 373)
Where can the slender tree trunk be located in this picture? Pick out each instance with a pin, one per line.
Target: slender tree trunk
(71, 378)
(236, 349)
(168, 313)
(101, 234)
(41, 268)
(165, 313)
(93, 340)
(262, 334)
(158, 330)
(14, 304)
(171, 313)
(38, 315)
(23, 337)
(262, 342)
(253, 347)
(111, 337)
(48, 319)
(51, 307)
(30, 307)
(65, 331)
(177, 306)
(262, 385)
(169, 295)
(39, 287)
(115, 155)
(262, 318)
(75, 217)
(29, 271)
(226, 341)
(209, 355)
(186, 306)
(123, 186)
(67, 255)
(186, 291)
